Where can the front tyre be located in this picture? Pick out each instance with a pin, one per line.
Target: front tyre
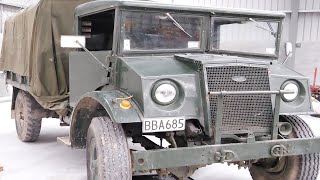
(108, 154)
(303, 167)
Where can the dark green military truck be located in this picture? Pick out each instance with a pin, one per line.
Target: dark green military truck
(207, 81)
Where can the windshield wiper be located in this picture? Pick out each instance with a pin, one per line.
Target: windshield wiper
(177, 24)
(264, 28)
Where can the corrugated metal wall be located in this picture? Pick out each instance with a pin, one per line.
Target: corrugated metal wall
(309, 21)
(276, 5)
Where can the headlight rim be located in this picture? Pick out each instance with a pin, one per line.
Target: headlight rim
(159, 83)
(283, 87)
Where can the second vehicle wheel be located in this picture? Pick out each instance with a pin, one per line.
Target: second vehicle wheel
(108, 154)
(303, 167)
(28, 127)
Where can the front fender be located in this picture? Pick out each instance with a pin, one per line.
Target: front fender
(99, 103)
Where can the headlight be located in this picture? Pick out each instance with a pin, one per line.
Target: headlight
(164, 92)
(290, 86)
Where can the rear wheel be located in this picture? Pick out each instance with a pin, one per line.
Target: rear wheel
(303, 167)
(108, 154)
(27, 127)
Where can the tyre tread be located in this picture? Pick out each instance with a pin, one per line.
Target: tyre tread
(32, 125)
(116, 164)
(310, 162)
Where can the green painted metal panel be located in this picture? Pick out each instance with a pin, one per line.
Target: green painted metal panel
(139, 74)
(115, 112)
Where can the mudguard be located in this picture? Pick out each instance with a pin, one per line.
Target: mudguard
(99, 103)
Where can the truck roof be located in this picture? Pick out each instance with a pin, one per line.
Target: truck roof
(99, 5)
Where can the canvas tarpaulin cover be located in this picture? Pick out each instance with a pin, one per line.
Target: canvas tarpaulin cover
(31, 48)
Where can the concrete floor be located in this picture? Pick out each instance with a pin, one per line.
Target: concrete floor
(48, 160)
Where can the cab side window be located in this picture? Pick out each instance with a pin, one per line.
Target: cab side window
(98, 29)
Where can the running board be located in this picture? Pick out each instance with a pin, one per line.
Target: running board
(64, 140)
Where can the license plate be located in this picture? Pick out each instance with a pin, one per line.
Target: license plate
(163, 124)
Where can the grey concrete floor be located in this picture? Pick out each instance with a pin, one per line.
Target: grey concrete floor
(48, 160)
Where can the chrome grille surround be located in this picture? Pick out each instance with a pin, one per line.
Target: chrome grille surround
(241, 113)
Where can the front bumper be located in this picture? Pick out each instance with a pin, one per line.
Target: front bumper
(209, 154)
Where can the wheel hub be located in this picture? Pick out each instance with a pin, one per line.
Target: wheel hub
(20, 116)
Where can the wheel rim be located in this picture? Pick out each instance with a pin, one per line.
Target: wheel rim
(93, 158)
(279, 167)
(276, 167)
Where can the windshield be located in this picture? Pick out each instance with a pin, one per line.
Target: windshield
(160, 30)
(247, 35)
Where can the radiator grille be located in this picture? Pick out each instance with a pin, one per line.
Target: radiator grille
(241, 112)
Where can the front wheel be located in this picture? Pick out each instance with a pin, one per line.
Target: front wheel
(303, 167)
(108, 154)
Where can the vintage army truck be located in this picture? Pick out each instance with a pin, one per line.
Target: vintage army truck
(207, 81)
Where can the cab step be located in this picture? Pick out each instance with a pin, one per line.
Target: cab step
(64, 140)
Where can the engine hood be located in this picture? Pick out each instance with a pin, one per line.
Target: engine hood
(278, 75)
(137, 76)
(276, 69)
